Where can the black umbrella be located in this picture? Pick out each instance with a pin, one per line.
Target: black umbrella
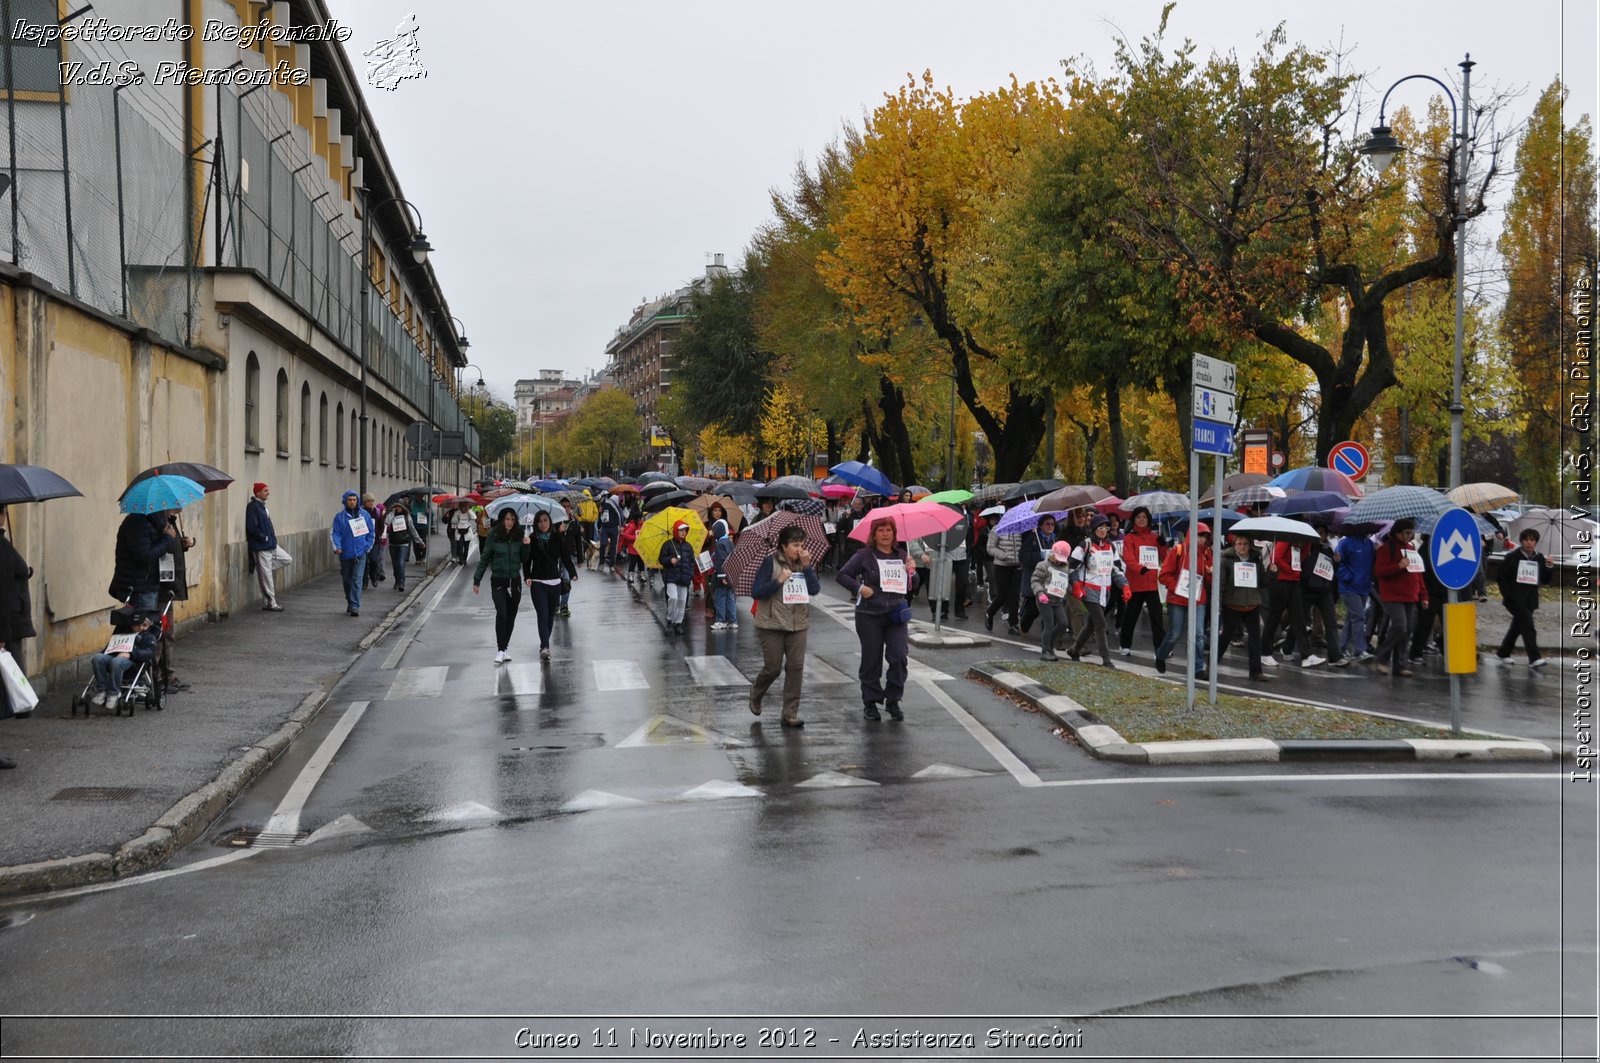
(741, 491)
(32, 483)
(1034, 488)
(779, 492)
(208, 477)
(658, 500)
(408, 493)
(658, 485)
(653, 478)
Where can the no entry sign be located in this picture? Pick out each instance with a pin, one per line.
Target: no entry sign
(1350, 458)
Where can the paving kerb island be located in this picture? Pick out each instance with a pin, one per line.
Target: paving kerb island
(1106, 743)
(257, 679)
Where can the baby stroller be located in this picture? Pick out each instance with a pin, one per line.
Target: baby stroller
(142, 681)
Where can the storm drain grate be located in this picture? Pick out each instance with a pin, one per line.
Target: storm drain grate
(252, 838)
(95, 793)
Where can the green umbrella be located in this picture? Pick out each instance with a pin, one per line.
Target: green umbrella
(957, 497)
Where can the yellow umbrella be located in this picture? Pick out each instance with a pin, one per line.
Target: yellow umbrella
(658, 529)
(1482, 497)
(702, 506)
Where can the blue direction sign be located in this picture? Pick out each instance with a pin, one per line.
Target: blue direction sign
(1212, 438)
(1455, 548)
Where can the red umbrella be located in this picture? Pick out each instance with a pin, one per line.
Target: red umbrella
(1109, 505)
(760, 540)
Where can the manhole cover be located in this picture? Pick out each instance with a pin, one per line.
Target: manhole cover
(255, 838)
(95, 793)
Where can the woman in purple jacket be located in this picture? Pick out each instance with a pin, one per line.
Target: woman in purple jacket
(882, 578)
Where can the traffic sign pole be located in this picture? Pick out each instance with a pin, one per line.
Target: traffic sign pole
(1456, 552)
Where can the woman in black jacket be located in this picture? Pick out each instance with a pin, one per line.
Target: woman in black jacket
(142, 541)
(547, 556)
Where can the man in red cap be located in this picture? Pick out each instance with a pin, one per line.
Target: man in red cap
(265, 553)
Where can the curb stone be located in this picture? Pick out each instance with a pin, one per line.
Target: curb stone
(1103, 741)
(191, 815)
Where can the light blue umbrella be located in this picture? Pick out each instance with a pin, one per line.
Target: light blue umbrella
(549, 485)
(161, 493)
(527, 507)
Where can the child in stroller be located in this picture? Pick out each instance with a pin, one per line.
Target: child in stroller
(133, 647)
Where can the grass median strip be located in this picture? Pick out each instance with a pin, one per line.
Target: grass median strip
(1143, 709)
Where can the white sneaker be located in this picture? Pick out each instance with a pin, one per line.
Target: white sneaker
(506, 654)
(1313, 661)
(1125, 651)
(1269, 660)
(500, 657)
(1540, 663)
(1504, 662)
(98, 699)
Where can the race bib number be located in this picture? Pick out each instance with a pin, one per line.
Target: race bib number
(1060, 584)
(358, 527)
(167, 566)
(1294, 559)
(1244, 574)
(702, 561)
(795, 592)
(397, 524)
(1099, 564)
(1528, 572)
(1148, 557)
(1182, 588)
(1413, 561)
(120, 644)
(1323, 569)
(829, 527)
(892, 576)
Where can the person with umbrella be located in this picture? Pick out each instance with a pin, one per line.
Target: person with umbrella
(373, 574)
(1431, 613)
(504, 556)
(547, 556)
(1288, 565)
(784, 586)
(262, 540)
(1241, 602)
(1353, 559)
(1317, 586)
(677, 572)
(571, 531)
(460, 528)
(1398, 567)
(1141, 560)
(352, 536)
(1521, 573)
(402, 532)
(608, 521)
(16, 614)
(881, 576)
(143, 541)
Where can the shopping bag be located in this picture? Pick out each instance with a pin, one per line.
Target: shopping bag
(19, 692)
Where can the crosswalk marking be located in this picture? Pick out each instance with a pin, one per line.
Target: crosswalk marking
(590, 800)
(715, 671)
(664, 730)
(465, 812)
(717, 789)
(418, 682)
(619, 675)
(519, 679)
(831, 779)
(820, 671)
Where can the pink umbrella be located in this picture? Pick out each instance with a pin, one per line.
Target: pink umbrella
(838, 491)
(911, 521)
(1110, 505)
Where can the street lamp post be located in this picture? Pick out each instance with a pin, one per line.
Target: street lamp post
(1382, 147)
(460, 411)
(419, 248)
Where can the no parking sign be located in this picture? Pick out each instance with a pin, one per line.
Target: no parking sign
(1350, 458)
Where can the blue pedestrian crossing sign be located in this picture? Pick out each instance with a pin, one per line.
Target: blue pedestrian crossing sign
(1456, 549)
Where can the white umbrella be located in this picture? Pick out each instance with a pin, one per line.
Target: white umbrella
(1275, 528)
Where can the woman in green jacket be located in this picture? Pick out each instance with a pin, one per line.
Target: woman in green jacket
(503, 556)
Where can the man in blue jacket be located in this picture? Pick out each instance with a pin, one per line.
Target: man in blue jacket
(262, 540)
(1353, 576)
(352, 536)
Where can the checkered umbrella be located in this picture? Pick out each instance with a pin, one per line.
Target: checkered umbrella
(1157, 502)
(760, 540)
(813, 507)
(993, 493)
(1394, 503)
(1249, 496)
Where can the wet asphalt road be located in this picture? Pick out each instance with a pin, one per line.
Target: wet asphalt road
(615, 835)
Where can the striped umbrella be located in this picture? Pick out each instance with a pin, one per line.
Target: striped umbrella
(1157, 502)
(1249, 496)
(1395, 503)
(993, 493)
(1482, 497)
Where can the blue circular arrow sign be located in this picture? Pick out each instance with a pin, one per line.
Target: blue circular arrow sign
(1455, 549)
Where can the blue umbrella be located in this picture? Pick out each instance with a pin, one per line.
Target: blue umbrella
(1314, 478)
(1308, 502)
(549, 485)
(161, 493)
(865, 477)
(1180, 521)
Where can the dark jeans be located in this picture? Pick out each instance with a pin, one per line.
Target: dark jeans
(507, 594)
(545, 599)
(1178, 621)
(458, 548)
(1053, 624)
(608, 544)
(373, 575)
(1321, 603)
(1423, 631)
(1234, 621)
(1096, 627)
(1286, 597)
(1521, 625)
(1003, 592)
(1150, 600)
(882, 640)
(1400, 616)
(398, 555)
(351, 570)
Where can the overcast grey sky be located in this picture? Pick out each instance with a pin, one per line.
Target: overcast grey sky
(570, 159)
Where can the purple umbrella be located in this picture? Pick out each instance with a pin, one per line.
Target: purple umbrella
(1021, 519)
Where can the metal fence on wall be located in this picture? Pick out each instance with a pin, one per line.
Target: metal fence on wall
(98, 203)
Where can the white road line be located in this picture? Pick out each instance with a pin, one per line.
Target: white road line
(997, 749)
(819, 671)
(1550, 776)
(619, 675)
(404, 644)
(286, 819)
(715, 671)
(519, 679)
(418, 682)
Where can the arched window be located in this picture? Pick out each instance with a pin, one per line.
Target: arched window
(322, 429)
(252, 402)
(283, 414)
(305, 422)
(355, 442)
(338, 434)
